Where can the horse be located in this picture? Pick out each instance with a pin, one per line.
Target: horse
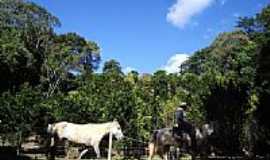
(162, 139)
(87, 134)
(202, 136)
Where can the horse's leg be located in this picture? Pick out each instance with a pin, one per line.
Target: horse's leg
(193, 156)
(161, 155)
(66, 149)
(166, 150)
(82, 153)
(165, 156)
(194, 152)
(151, 148)
(52, 148)
(96, 148)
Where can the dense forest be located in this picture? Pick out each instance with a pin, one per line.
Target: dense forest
(48, 77)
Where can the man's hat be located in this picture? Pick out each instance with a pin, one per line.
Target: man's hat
(183, 105)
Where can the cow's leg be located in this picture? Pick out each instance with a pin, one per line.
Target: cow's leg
(82, 153)
(96, 148)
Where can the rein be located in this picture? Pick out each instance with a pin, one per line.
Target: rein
(135, 140)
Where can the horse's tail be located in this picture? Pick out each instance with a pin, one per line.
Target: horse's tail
(194, 142)
(153, 137)
(152, 143)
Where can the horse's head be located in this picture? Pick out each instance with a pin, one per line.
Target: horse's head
(207, 129)
(50, 129)
(116, 130)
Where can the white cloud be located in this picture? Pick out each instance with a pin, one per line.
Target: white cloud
(174, 63)
(183, 10)
(128, 69)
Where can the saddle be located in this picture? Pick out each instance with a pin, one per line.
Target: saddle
(183, 132)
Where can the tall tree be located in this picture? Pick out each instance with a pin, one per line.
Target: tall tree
(258, 29)
(218, 74)
(69, 55)
(112, 66)
(28, 27)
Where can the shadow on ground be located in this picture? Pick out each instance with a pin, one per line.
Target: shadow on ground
(9, 153)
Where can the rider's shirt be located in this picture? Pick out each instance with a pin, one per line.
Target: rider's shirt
(180, 115)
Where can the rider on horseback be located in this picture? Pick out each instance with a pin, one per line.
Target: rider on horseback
(180, 113)
(183, 129)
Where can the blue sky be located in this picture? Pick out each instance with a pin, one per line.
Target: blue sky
(148, 35)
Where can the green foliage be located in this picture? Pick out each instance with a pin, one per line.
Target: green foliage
(257, 27)
(112, 67)
(220, 80)
(16, 61)
(21, 14)
(68, 53)
(18, 111)
(49, 78)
